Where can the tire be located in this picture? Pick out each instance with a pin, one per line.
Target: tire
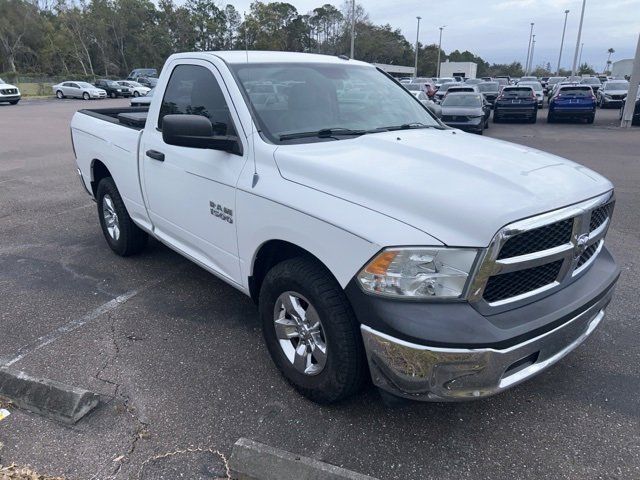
(534, 119)
(14, 102)
(130, 239)
(59, 95)
(85, 96)
(495, 117)
(344, 370)
(591, 119)
(136, 94)
(486, 123)
(550, 118)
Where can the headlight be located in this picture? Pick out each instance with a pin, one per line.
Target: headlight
(419, 273)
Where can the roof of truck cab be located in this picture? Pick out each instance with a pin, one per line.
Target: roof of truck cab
(262, 56)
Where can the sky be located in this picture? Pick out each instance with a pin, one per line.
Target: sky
(498, 30)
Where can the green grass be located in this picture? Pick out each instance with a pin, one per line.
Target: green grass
(35, 89)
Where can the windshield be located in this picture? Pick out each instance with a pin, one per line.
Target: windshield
(462, 100)
(489, 87)
(554, 80)
(591, 81)
(524, 92)
(446, 86)
(537, 86)
(326, 98)
(2, 81)
(113, 84)
(85, 85)
(616, 86)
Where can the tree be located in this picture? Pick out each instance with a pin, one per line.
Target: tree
(586, 69)
(18, 25)
(611, 51)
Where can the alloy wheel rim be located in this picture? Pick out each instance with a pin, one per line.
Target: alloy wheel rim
(300, 333)
(110, 218)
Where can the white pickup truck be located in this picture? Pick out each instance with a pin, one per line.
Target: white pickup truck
(376, 242)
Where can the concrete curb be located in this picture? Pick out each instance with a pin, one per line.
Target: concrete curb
(49, 398)
(255, 461)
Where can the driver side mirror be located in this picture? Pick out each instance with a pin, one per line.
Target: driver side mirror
(196, 131)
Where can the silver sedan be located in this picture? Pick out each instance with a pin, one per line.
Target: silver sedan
(78, 90)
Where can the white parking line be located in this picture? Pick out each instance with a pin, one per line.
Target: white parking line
(45, 340)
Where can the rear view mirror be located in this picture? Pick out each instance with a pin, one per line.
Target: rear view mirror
(196, 131)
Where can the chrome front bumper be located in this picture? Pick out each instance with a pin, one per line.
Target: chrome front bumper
(453, 374)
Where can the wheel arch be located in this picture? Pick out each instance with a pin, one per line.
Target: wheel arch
(98, 171)
(269, 254)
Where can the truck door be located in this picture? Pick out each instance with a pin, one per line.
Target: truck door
(191, 191)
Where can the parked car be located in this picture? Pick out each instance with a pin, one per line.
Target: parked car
(527, 79)
(490, 91)
(473, 81)
(446, 266)
(572, 101)
(543, 82)
(502, 81)
(593, 82)
(612, 93)
(442, 91)
(427, 102)
(466, 111)
(142, 72)
(78, 90)
(552, 83)
(143, 101)
(426, 85)
(138, 89)
(537, 87)
(148, 82)
(9, 93)
(516, 102)
(442, 80)
(113, 88)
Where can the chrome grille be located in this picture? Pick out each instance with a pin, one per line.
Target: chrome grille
(512, 284)
(537, 255)
(538, 239)
(600, 215)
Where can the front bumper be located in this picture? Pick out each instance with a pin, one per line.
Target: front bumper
(453, 374)
(98, 95)
(10, 98)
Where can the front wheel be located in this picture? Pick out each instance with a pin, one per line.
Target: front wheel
(86, 96)
(136, 94)
(14, 102)
(311, 332)
(59, 95)
(123, 236)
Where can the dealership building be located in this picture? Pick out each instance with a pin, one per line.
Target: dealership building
(622, 68)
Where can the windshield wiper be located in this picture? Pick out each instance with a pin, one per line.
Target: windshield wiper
(411, 126)
(323, 133)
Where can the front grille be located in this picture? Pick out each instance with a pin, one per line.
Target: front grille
(454, 118)
(600, 215)
(9, 91)
(507, 285)
(538, 239)
(587, 254)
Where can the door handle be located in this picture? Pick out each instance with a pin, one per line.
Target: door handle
(156, 155)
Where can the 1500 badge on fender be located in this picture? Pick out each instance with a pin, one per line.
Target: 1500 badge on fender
(221, 212)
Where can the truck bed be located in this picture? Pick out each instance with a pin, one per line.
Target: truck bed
(131, 117)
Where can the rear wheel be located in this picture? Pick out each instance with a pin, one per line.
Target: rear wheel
(591, 118)
(534, 119)
(495, 117)
(86, 96)
(136, 94)
(311, 332)
(59, 94)
(123, 236)
(550, 118)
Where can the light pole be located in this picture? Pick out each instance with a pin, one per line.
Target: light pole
(439, 49)
(564, 29)
(533, 47)
(629, 106)
(415, 73)
(575, 55)
(580, 56)
(353, 26)
(526, 65)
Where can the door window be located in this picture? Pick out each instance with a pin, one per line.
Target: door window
(193, 90)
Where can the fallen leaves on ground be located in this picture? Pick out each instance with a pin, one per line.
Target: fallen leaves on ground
(14, 472)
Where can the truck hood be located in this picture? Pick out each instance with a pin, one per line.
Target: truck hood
(6, 85)
(454, 186)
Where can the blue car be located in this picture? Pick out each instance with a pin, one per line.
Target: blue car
(572, 101)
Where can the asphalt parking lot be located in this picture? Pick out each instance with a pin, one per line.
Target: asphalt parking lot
(182, 362)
